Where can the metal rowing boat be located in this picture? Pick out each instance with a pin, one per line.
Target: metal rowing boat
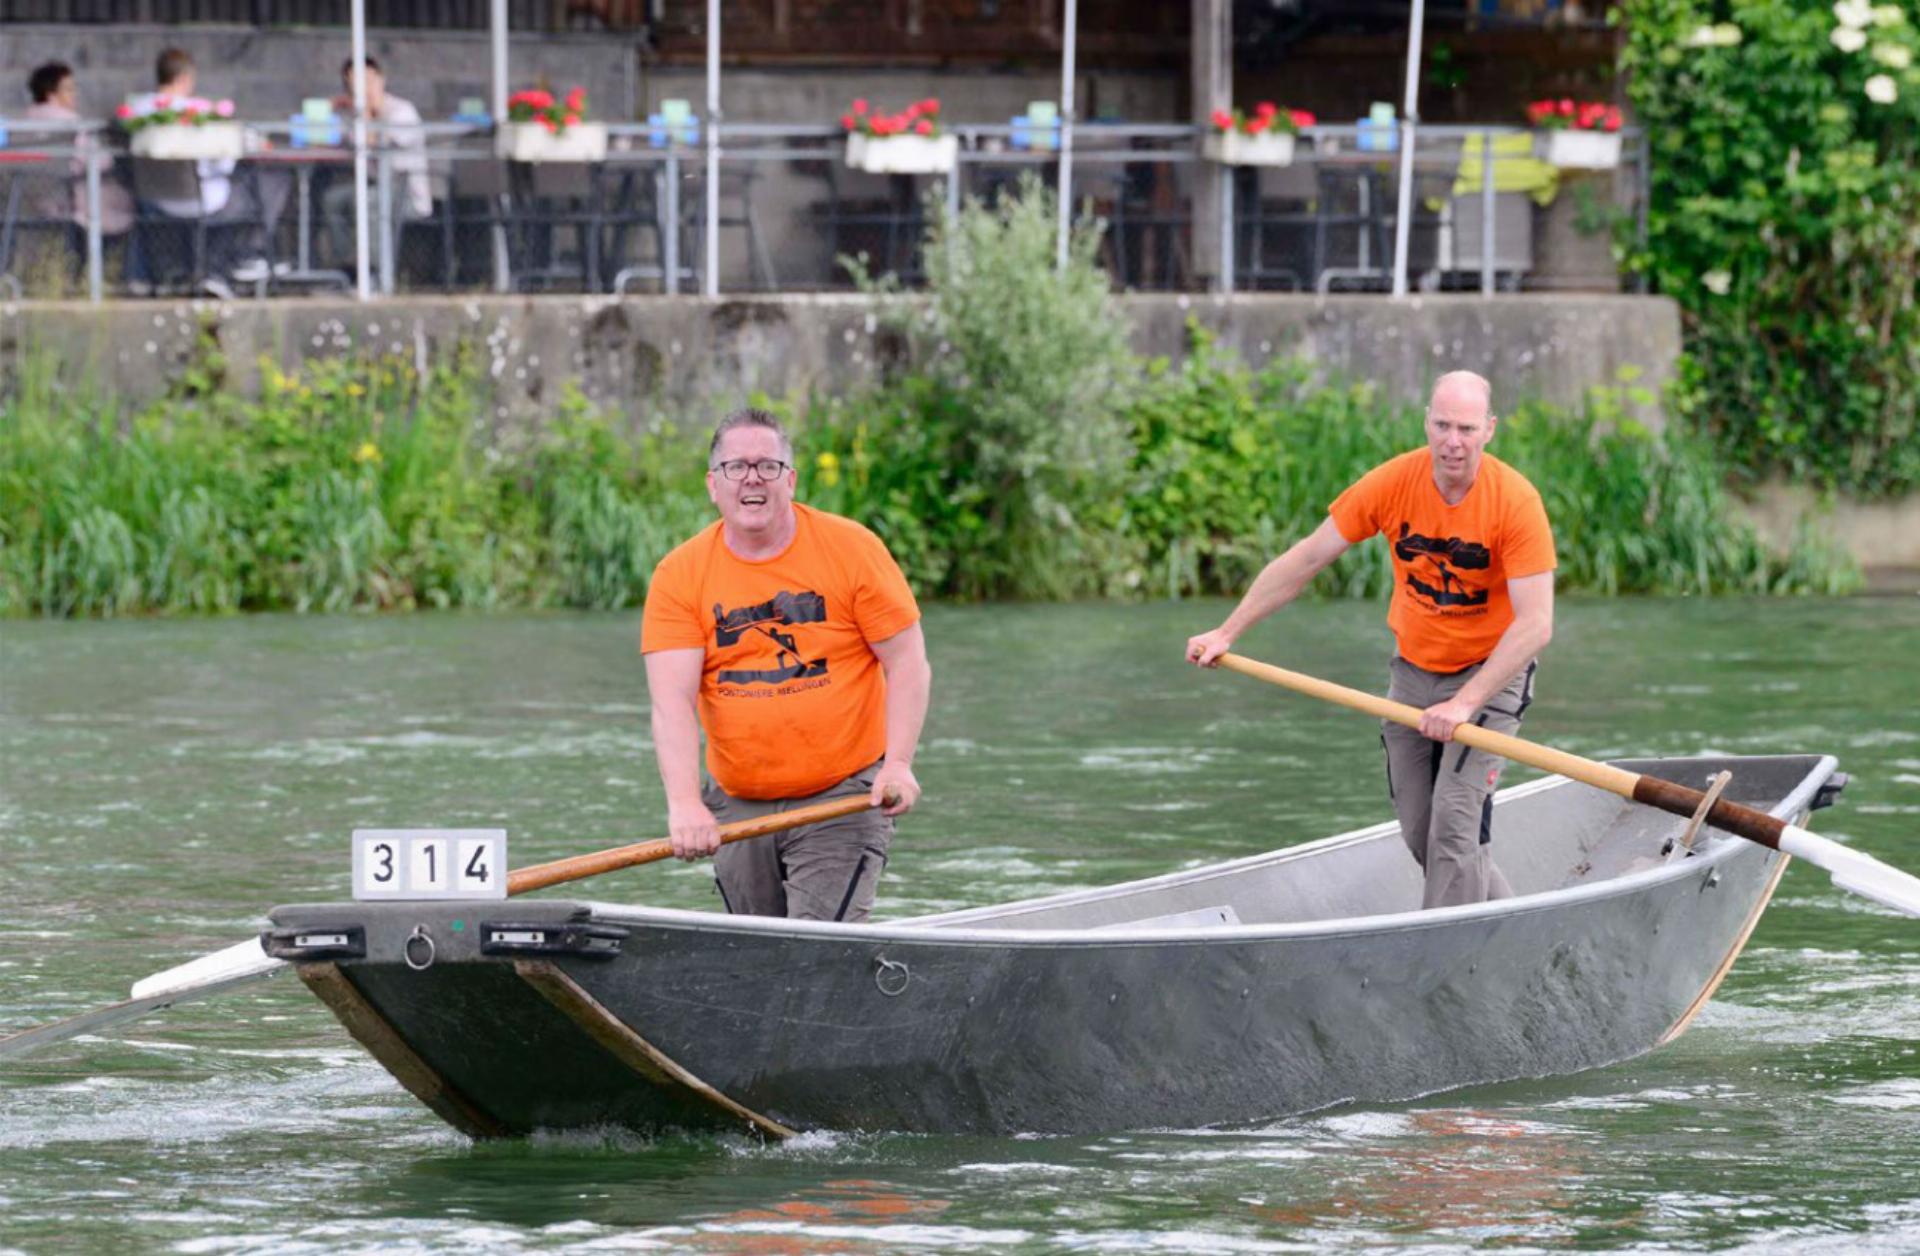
(1222, 995)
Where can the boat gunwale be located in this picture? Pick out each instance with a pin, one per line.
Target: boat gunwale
(1722, 848)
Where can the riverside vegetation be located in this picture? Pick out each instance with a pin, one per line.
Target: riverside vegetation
(1024, 453)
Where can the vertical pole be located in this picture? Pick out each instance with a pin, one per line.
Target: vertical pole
(1486, 213)
(1409, 126)
(383, 181)
(96, 280)
(361, 279)
(1227, 231)
(670, 245)
(497, 32)
(1211, 88)
(1066, 136)
(710, 273)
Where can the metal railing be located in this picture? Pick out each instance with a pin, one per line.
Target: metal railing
(638, 218)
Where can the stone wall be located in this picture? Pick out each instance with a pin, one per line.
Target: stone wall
(647, 355)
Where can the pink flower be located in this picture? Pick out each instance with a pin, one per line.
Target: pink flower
(224, 108)
(1301, 118)
(124, 111)
(860, 104)
(1223, 119)
(846, 122)
(924, 127)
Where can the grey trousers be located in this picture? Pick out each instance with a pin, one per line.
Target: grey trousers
(828, 871)
(1443, 791)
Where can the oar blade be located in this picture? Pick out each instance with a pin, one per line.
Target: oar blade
(1855, 871)
(242, 960)
(236, 965)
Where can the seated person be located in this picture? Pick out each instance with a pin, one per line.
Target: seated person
(399, 130)
(256, 202)
(56, 98)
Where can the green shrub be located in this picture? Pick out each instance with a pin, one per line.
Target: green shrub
(1785, 219)
(1023, 374)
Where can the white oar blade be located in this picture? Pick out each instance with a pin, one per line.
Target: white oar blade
(197, 979)
(241, 960)
(1855, 871)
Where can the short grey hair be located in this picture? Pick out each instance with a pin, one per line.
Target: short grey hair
(749, 417)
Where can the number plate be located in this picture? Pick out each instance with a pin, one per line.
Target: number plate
(396, 864)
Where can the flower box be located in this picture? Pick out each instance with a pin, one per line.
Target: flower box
(530, 141)
(181, 141)
(1236, 148)
(902, 154)
(1581, 150)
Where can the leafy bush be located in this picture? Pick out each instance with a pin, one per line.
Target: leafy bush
(1023, 378)
(1785, 220)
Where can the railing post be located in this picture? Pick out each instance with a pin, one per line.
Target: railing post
(384, 180)
(670, 244)
(96, 279)
(1486, 213)
(1225, 284)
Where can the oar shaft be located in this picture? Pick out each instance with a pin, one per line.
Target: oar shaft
(560, 871)
(1729, 817)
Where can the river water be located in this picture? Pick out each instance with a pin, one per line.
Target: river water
(162, 783)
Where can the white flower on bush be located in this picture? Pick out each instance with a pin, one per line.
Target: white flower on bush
(1853, 13)
(1718, 282)
(1724, 35)
(1894, 56)
(1849, 38)
(1882, 90)
(1888, 15)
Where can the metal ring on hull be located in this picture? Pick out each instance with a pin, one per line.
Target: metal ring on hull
(419, 934)
(891, 976)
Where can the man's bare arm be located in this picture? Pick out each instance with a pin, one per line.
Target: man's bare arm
(673, 685)
(1276, 585)
(1525, 637)
(903, 657)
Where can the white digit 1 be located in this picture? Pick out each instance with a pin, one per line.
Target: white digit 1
(477, 866)
(384, 853)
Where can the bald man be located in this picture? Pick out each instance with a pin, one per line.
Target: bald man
(1472, 608)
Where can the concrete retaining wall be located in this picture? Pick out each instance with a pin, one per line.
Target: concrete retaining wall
(649, 355)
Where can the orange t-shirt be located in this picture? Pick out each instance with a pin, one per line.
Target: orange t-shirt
(1451, 564)
(792, 697)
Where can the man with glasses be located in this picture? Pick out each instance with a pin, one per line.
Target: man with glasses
(1472, 606)
(790, 637)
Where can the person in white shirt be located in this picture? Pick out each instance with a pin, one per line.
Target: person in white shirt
(399, 130)
(257, 201)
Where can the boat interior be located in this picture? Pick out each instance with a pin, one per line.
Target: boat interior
(1552, 834)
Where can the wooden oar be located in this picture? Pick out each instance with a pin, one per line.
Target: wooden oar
(1852, 870)
(245, 962)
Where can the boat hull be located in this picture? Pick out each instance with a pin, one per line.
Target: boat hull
(954, 1027)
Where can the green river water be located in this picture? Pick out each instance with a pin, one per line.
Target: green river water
(163, 783)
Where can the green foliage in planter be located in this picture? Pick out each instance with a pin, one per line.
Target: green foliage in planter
(1785, 219)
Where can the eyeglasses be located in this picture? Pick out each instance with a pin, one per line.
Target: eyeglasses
(765, 468)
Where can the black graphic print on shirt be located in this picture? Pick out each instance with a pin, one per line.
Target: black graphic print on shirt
(1442, 560)
(766, 619)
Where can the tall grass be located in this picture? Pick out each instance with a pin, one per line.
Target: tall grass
(347, 485)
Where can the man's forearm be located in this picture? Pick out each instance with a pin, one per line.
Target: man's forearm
(909, 688)
(676, 748)
(1278, 583)
(1518, 645)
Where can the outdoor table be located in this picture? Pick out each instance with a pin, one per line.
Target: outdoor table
(303, 162)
